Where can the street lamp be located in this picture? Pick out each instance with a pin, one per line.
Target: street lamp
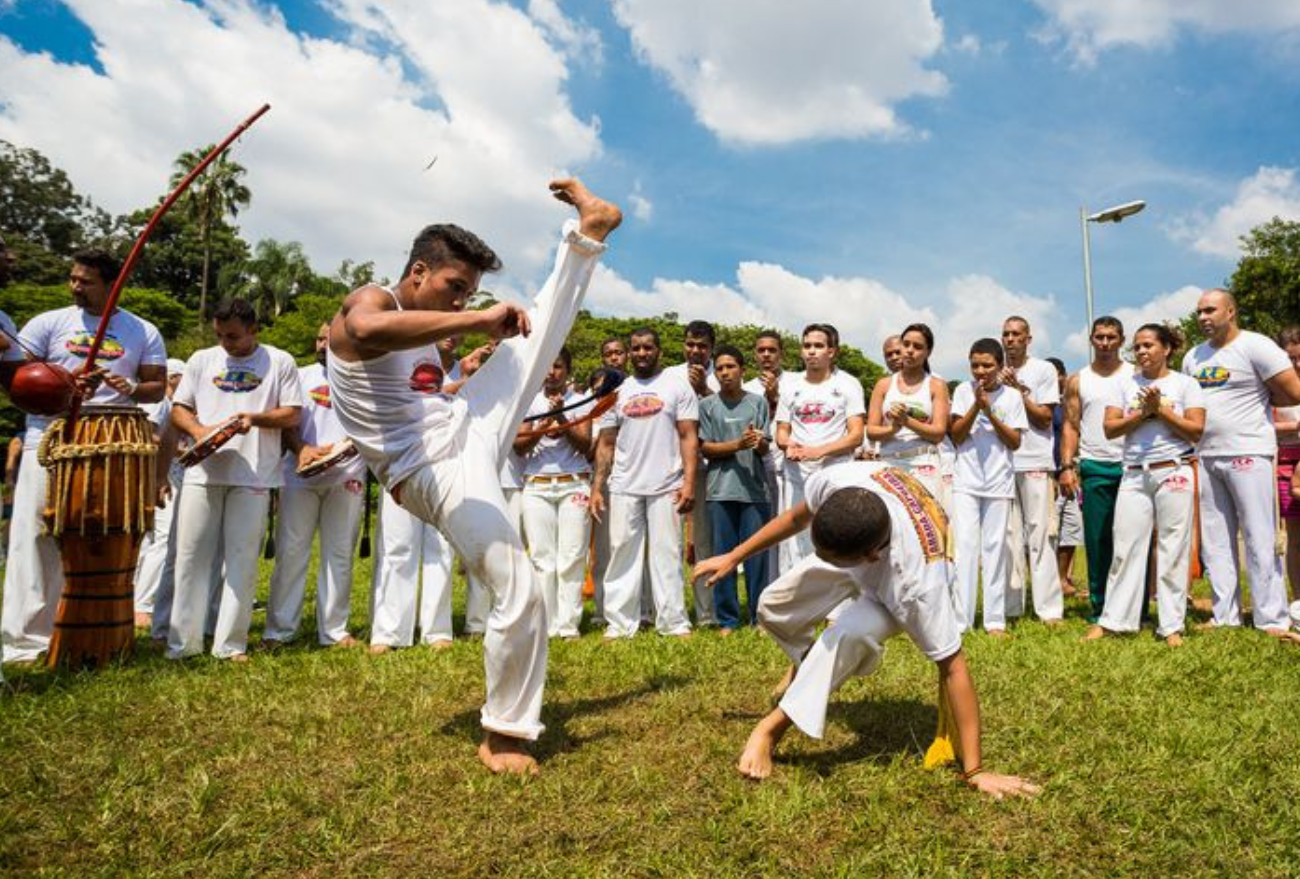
(1110, 215)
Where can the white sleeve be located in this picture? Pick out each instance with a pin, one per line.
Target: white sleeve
(962, 399)
(1193, 396)
(290, 384)
(36, 335)
(1267, 358)
(1016, 417)
(1048, 391)
(155, 352)
(187, 389)
(14, 352)
(856, 402)
(688, 405)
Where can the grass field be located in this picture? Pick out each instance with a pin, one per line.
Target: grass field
(308, 762)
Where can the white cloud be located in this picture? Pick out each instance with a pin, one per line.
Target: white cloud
(863, 309)
(337, 164)
(968, 44)
(1167, 307)
(1088, 27)
(642, 208)
(1270, 192)
(768, 72)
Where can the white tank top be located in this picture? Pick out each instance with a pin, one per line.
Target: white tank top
(393, 408)
(921, 405)
(1095, 392)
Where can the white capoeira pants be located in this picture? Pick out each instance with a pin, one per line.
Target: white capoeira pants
(461, 495)
(166, 592)
(216, 521)
(34, 571)
(1162, 498)
(557, 526)
(774, 474)
(794, 549)
(640, 528)
(1032, 552)
(154, 550)
(412, 572)
(1241, 492)
(334, 510)
(702, 540)
(980, 525)
(478, 599)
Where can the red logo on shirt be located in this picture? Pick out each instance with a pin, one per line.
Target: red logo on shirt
(427, 377)
(814, 413)
(642, 406)
(321, 396)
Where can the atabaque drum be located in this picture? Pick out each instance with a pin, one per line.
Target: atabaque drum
(99, 506)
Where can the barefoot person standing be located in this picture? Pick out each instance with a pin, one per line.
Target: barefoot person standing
(878, 562)
(440, 455)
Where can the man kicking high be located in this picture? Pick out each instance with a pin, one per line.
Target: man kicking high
(439, 455)
(878, 540)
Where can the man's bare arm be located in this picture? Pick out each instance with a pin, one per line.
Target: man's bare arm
(1284, 388)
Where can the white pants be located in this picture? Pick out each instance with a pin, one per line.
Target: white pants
(216, 521)
(599, 565)
(336, 511)
(414, 560)
(478, 600)
(557, 527)
(1241, 492)
(34, 572)
(980, 524)
(461, 495)
(164, 595)
(641, 527)
(794, 549)
(153, 556)
(1032, 551)
(774, 472)
(1162, 499)
(792, 608)
(702, 538)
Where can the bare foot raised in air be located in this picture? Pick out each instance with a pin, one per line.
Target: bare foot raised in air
(506, 755)
(596, 217)
(756, 759)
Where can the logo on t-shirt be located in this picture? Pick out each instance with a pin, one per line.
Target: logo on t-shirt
(427, 377)
(814, 412)
(1212, 376)
(320, 396)
(110, 349)
(237, 381)
(642, 406)
(928, 518)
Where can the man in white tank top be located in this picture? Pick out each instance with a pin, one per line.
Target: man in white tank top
(439, 456)
(1090, 460)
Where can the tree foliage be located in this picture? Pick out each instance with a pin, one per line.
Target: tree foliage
(38, 203)
(217, 193)
(1266, 281)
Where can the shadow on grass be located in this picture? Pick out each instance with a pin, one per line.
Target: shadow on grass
(882, 728)
(557, 739)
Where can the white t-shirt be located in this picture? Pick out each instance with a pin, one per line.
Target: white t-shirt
(1035, 452)
(63, 336)
(683, 369)
(216, 386)
(320, 427)
(555, 455)
(912, 582)
(985, 467)
(1153, 440)
(14, 352)
(648, 455)
(1238, 414)
(819, 412)
(1095, 392)
(775, 458)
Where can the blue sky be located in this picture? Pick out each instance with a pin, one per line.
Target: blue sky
(869, 164)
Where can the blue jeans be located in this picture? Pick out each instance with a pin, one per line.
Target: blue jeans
(733, 523)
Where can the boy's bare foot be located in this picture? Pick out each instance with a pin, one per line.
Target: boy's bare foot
(1204, 605)
(143, 620)
(596, 217)
(379, 649)
(440, 644)
(682, 635)
(784, 684)
(1055, 623)
(725, 632)
(346, 642)
(1174, 640)
(240, 658)
(1274, 632)
(1094, 633)
(505, 755)
(756, 759)
(1000, 634)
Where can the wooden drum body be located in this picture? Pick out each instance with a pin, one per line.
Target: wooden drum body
(99, 505)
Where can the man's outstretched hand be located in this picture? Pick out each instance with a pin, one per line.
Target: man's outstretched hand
(714, 569)
(596, 217)
(504, 321)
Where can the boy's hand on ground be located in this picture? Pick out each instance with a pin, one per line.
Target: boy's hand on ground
(1000, 786)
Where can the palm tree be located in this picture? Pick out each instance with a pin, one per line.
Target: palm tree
(217, 192)
(274, 275)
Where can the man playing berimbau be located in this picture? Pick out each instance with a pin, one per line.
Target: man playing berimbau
(878, 562)
(439, 455)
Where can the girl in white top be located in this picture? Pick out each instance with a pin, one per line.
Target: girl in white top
(987, 422)
(908, 415)
(1161, 415)
(1286, 422)
(819, 422)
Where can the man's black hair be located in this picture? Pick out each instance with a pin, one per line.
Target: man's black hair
(236, 309)
(645, 331)
(851, 523)
(441, 243)
(701, 329)
(104, 263)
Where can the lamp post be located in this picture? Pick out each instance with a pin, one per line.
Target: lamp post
(1110, 215)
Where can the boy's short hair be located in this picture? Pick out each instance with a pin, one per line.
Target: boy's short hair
(851, 523)
(989, 346)
(236, 309)
(701, 329)
(443, 242)
(729, 351)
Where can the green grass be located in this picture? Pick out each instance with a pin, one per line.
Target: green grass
(311, 762)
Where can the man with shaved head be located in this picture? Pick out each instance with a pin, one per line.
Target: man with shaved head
(892, 351)
(1243, 374)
